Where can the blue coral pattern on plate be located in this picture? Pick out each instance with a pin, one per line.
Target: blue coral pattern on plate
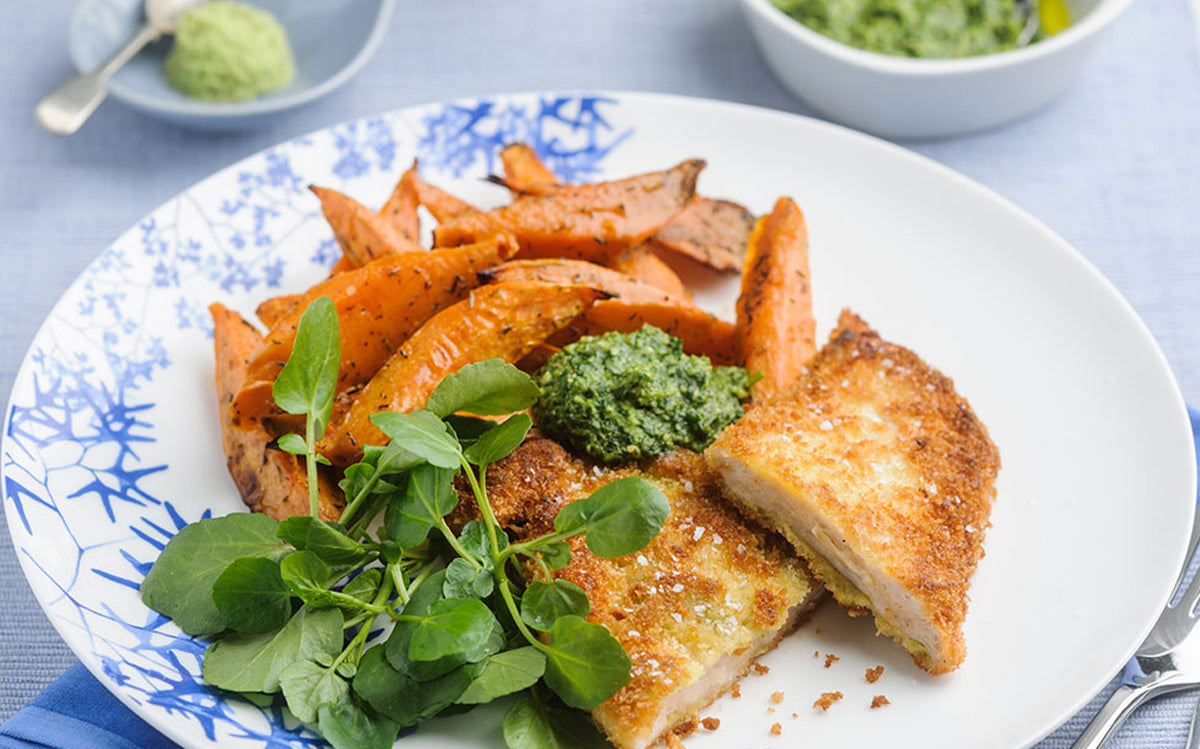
(120, 375)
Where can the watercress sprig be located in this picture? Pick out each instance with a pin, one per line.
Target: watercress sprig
(291, 605)
(308, 382)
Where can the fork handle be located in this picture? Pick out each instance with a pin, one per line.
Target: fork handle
(1123, 702)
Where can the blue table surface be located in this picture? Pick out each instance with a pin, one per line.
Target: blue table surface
(1114, 166)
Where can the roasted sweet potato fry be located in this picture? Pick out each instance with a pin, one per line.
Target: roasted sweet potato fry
(444, 206)
(524, 172)
(711, 232)
(702, 333)
(271, 310)
(583, 221)
(774, 312)
(641, 263)
(506, 321)
(363, 234)
(379, 306)
(270, 481)
(343, 264)
(400, 210)
(582, 273)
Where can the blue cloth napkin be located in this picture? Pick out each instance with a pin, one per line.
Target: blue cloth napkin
(77, 711)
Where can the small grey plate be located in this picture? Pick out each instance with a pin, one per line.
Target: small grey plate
(331, 40)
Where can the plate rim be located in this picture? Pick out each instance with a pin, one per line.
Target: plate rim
(1181, 420)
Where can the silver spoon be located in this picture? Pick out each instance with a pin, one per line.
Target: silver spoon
(67, 107)
(1033, 22)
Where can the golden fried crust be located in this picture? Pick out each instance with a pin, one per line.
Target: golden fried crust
(884, 456)
(711, 584)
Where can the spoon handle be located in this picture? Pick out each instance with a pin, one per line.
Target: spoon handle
(70, 103)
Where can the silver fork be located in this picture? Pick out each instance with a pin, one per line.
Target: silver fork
(1166, 662)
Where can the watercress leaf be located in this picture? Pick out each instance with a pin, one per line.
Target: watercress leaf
(391, 551)
(505, 673)
(500, 440)
(492, 387)
(451, 625)
(474, 539)
(292, 443)
(349, 725)
(531, 724)
(543, 603)
(327, 540)
(251, 595)
(468, 428)
(365, 585)
(307, 685)
(428, 495)
(556, 555)
(585, 665)
(308, 382)
(619, 518)
(464, 581)
(404, 699)
(422, 434)
(180, 583)
(253, 663)
(307, 577)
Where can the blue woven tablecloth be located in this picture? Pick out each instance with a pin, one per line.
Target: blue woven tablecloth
(1114, 166)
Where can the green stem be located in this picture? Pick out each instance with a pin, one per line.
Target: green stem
(397, 576)
(485, 508)
(310, 459)
(360, 638)
(541, 563)
(527, 547)
(458, 547)
(506, 593)
(353, 505)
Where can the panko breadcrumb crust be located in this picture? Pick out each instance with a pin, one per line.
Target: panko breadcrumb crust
(711, 583)
(878, 444)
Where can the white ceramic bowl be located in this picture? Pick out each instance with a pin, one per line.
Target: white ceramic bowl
(903, 97)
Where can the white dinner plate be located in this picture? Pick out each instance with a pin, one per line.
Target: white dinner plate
(112, 439)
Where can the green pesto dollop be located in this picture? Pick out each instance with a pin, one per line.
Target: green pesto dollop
(626, 396)
(228, 51)
(915, 28)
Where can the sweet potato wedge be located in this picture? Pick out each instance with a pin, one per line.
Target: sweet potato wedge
(363, 234)
(400, 210)
(774, 312)
(711, 232)
(343, 264)
(269, 311)
(583, 222)
(702, 333)
(580, 272)
(641, 263)
(524, 172)
(444, 206)
(507, 321)
(270, 481)
(379, 306)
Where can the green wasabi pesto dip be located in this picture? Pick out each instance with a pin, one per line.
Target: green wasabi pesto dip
(229, 51)
(915, 28)
(626, 396)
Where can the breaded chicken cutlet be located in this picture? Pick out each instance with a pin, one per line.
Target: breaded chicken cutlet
(693, 609)
(882, 477)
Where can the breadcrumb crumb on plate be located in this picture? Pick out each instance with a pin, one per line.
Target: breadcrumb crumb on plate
(827, 699)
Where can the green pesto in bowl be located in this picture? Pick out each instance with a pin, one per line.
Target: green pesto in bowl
(921, 28)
